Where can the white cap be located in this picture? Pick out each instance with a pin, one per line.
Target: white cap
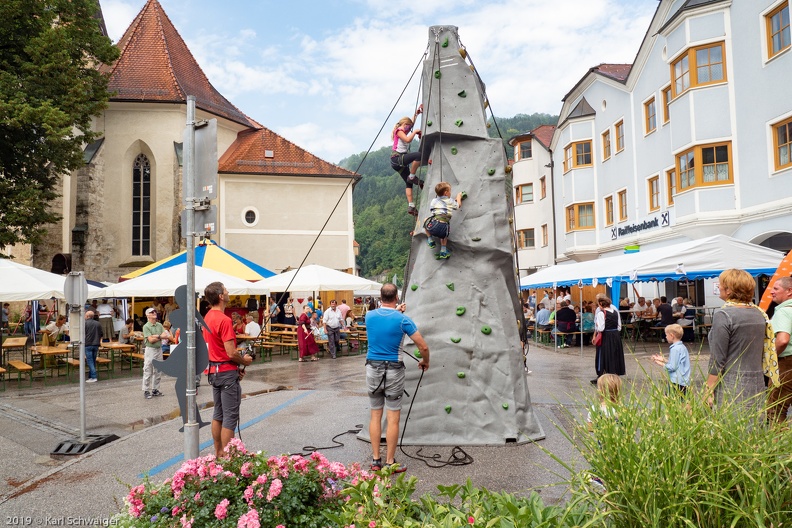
(150, 311)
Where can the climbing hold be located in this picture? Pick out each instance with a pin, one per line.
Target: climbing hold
(414, 287)
(486, 104)
(454, 150)
(505, 406)
(448, 409)
(460, 310)
(463, 52)
(489, 125)
(464, 195)
(486, 330)
(458, 122)
(418, 354)
(428, 123)
(456, 339)
(472, 68)
(460, 375)
(450, 286)
(491, 172)
(463, 93)
(445, 43)
(437, 74)
(508, 169)
(475, 239)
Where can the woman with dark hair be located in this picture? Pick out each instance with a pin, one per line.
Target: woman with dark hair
(306, 343)
(736, 342)
(610, 354)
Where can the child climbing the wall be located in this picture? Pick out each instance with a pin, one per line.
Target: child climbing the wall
(403, 161)
(439, 224)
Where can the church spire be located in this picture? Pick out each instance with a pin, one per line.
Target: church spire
(157, 66)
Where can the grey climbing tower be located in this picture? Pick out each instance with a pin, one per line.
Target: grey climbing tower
(467, 307)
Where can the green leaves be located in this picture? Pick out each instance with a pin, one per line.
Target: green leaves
(50, 89)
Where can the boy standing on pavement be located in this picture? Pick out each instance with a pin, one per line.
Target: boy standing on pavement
(385, 370)
(153, 332)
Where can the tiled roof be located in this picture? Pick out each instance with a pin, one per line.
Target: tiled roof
(544, 134)
(618, 72)
(263, 151)
(583, 109)
(156, 66)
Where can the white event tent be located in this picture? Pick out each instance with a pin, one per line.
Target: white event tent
(19, 282)
(317, 278)
(163, 283)
(696, 259)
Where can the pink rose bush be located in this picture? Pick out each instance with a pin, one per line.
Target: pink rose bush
(244, 490)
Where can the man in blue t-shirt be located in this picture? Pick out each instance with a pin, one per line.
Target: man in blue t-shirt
(385, 327)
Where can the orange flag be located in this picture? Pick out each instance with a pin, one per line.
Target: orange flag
(784, 270)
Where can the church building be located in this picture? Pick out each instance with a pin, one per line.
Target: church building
(121, 211)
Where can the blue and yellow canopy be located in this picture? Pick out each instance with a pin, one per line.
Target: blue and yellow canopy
(210, 255)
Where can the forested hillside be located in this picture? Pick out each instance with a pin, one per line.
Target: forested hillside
(382, 225)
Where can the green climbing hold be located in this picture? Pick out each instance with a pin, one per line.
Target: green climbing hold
(463, 93)
(505, 406)
(464, 195)
(445, 43)
(428, 123)
(456, 339)
(491, 172)
(454, 150)
(460, 310)
(460, 375)
(414, 287)
(418, 354)
(475, 239)
(486, 330)
(450, 286)
(448, 409)
(437, 74)
(458, 122)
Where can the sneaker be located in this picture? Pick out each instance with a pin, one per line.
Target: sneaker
(431, 243)
(156, 392)
(376, 465)
(399, 467)
(412, 210)
(91, 380)
(147, 395)
(442, 255)
(598, 485)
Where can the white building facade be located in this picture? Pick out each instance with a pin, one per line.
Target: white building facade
(693, 139)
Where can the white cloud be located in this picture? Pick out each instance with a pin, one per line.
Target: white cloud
(118, 14)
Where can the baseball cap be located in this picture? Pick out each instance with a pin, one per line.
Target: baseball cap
(150, 311)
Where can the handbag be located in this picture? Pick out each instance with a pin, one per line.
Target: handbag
(596, 340)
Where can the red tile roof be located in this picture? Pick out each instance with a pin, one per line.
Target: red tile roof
(156, 66)
(544, 134)
(614, 71)
(263, 151)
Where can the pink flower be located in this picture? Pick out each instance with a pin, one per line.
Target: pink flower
(185, 523)
(135, 500)
(372, 524)
(471, 520)
(245, 469)
(221, 510)
(197, 497)
(280, 526)
(249, 520)
(275, 489)
(235, 444)
(248, 495)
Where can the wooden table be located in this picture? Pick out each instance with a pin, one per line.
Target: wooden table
(114, 346)
(45, 355)
(14, 344)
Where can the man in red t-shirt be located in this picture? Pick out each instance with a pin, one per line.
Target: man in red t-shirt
(224, 362)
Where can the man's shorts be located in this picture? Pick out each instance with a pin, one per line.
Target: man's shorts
(227, 394)
(385, 392)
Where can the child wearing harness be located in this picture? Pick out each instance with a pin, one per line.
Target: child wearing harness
(403, 161)
(439, 224)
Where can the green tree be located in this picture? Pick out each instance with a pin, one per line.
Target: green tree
(50, 87)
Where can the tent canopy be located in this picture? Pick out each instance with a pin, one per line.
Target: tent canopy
(24, 283)
(210, 255)
(163, 283)
(317, 278)
(696, 259)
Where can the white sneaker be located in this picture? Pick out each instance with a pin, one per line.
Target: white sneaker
(91, 380)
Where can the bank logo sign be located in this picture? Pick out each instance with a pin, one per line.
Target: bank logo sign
(654, 222)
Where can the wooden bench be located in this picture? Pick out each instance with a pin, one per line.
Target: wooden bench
(20, 367)
(132, 356)
(106, 363)
(578, 333)
(543, 336)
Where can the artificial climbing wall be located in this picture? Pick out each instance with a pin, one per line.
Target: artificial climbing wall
(467, 307)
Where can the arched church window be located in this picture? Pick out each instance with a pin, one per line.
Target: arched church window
(141, 206)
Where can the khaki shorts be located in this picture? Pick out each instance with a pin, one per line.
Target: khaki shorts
(385, 383)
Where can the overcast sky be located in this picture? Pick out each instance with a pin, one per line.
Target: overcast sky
(325, 74)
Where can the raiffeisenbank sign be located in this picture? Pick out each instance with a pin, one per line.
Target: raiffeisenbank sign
(658, 220)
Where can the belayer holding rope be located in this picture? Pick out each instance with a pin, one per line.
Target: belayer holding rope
(403, 161)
